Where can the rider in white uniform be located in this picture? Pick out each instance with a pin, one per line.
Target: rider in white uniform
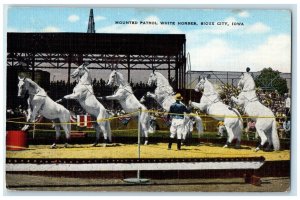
(177, 111)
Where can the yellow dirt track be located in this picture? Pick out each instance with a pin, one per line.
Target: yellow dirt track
(150, 151)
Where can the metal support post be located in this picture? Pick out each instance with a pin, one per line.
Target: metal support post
(138, 180)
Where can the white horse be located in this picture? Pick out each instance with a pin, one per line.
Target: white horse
(164, 95)
(39, 103)
(211, 104)
(83, 92)
(265, 120)
(128, 101)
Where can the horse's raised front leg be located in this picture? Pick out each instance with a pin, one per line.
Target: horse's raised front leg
(237, 101)
(151, 95)
(116, 96)
(200, 106)
(69, 96)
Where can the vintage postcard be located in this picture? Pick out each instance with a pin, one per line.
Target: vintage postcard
(148, 99)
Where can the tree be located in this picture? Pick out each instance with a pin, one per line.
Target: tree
(270, 79)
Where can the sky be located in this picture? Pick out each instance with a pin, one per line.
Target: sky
(264, 39)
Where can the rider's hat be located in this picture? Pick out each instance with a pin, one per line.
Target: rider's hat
(178, 97)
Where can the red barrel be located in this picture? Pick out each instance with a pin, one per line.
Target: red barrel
(16, 140)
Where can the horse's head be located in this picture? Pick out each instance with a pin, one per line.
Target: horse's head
(246, 81)
(80, 71)
(115, 78)
(200, 85)
(152, 79)
(22, 87)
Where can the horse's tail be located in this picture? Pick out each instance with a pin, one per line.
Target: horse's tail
(275, 138)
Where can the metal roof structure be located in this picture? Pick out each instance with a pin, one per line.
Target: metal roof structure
(128, 51)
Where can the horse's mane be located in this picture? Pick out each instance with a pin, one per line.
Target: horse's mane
(86, 75)
(34, 84)
(209, 88)
(162, 76)
(121, 77)
(164, 82)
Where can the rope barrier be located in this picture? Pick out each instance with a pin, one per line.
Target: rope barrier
(147, 111)
(73, 123)
(205, 115)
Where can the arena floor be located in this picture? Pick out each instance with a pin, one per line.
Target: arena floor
(158, 150)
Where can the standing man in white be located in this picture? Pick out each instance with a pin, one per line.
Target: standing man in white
(177, 111)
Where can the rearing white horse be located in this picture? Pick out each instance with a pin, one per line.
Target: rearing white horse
(128, 101)
(265, 120)
(39, 103)
(211, 104)
(83, 92)
(164, 95)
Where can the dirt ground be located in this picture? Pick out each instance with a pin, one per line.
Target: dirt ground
(45, 183)
(158, 150)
